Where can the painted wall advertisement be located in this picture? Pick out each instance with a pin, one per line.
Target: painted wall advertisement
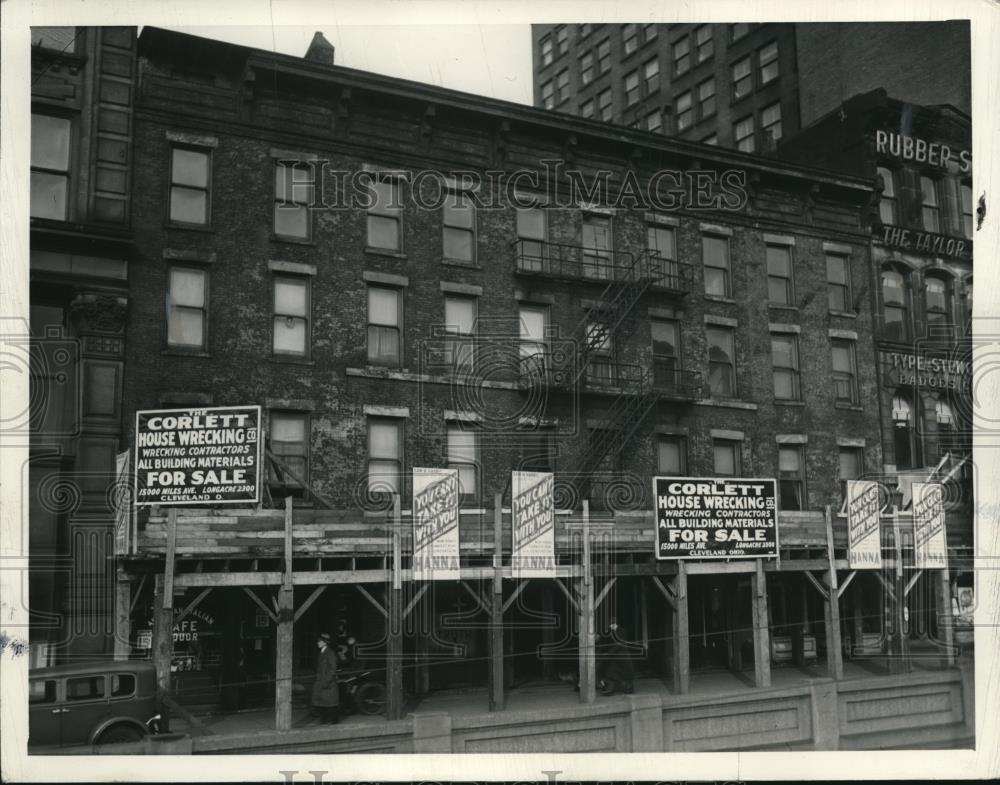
(930, 546)
(198, 456)
(864, 541)
(435, 524)
(712, 518)
(533, 527)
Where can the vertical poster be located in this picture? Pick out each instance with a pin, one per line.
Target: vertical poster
(533, 525)
(930, 546)
(864, 541)
(435, 524)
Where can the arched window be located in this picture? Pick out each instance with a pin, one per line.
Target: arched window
(906, 433)
(937, 301)
(895, 305)
(967, 303)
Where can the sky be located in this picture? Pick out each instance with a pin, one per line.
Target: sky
(492, 60)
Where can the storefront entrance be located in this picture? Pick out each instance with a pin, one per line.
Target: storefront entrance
(720, 622)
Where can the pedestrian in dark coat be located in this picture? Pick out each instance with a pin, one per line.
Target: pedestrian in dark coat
(326, 692)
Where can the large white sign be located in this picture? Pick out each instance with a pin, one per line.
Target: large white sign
(533, 525)
(435, 524)
(930, 545)
(864, 541)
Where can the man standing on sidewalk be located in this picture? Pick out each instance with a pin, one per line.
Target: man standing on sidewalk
(326, 692)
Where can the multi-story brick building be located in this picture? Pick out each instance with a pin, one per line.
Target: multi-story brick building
(458, 316)
(743, 85)
(82, 95)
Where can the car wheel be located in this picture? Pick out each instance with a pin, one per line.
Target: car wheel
(370, 698)
(120, 734)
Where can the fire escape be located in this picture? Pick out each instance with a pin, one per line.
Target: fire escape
(585, 366)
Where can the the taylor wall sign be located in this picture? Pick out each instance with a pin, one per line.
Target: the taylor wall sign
(932, 373)
(924, 242)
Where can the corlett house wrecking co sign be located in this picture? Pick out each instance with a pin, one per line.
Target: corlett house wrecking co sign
(713, 518)
(197, 456)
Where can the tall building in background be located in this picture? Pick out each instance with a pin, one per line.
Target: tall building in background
(743, 85)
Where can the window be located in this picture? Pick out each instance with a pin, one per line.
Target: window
(654, 121)
(662, 245)
(930, 210)
(937, 301)
(706, 98)
(384, 319)
(906, 433)
(703, 43)
(651, 75)
(84, 688)
(738, 30)
(291, 316)
(649, 32)
(62, 39)
(851, 467)
(532, 234)
(838, 282)
(122, 685)
(562, 85)
(682, 56)
(189, 185)
(604, 104)
(685, 116)
(943, 415)
(187, 312)
(743, 135)
(887, 202)
(604, 56)
(596, 246)
(791, 477)
(779, 275)
(770, 122)
(631, 88)
(715, 258)
(546, 47)
(463, 455)
(712, 138)
(845, 371)
(586, 68)
(768, 62)
(460, 325)
(671, 456)
(548, 94)
(41, 691)
(726, 458)
(385, 456)
(666, 335)
(721, 361)
(459, 217)
(293, 193)
(585, 30)
(600, 354)
(50, 147)
(785, 363)
(895, 306)
(533, 347)
(587, 110)
(967, 301)
(965, 196)
(538, 453)
(289, 438)
(385, 216)
(630, 38)
(742, 80)
(562, 39)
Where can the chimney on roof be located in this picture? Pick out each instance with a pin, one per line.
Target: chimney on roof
(320, 50)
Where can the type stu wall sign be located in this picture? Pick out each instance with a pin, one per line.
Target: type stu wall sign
(197, 456)
(713, 518)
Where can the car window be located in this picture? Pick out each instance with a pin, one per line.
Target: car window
(122, 684)
(85, 688)
(41, 691)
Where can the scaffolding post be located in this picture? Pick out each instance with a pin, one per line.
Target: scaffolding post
(681, 644)
(394, 631)
(761, 634)
(284, 643)
(831, 608)
(496, 611)
(897, 644)
(587, 654)
(123, 607)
